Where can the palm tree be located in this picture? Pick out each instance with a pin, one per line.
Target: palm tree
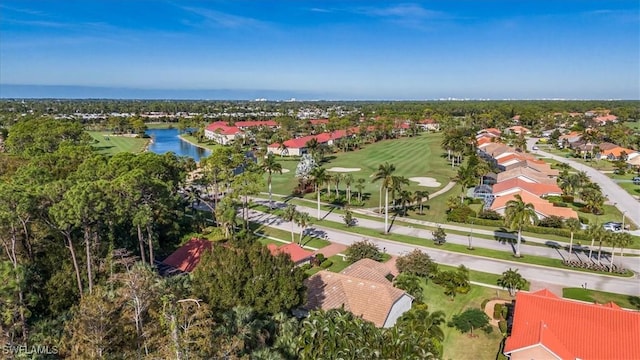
(312, 146)
(337, 178)
(608, 237)
(512, 281)
(405, 197)
(419, 320)
(270, 166)
(596, 233)
(620, 240)
(360, 187)
(573, 225)
(517, 215)
(420, 195)
(397, 187)
(385, 176)
(319, 176)
(464, 177)
(303, 220)
(348, 180)
(290, 214)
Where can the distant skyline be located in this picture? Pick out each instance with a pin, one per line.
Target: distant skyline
(311, 50)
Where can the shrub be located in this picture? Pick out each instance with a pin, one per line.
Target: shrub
(439, 236)
(497, 312)
(417, 263)
(502, 325)
(489, 215)
(485, 222)
(552, 221)
(326, 264)
(320, 258)
(475, 318)
(363, 250)
(583, 220)
(560, 204)
(460, 214)
(484, 303)
(488, 329)
(567, 198)
(306, 267)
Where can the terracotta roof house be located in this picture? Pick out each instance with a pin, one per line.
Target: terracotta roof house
(363, 289)
(514, 185)
(298, 255)
(612, 152)
(222, 133)
(543, 208)
(492, 131)
(188, 255)
(527, 174)
(297, 146)
(603, 119)
(569, 138)
(548, 327)
(517, 130)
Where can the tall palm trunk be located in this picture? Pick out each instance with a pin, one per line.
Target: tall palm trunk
(570, 245)
(386, 210)
(318, 195)
(593, 241)
(270, 199)
(292, 236)
(599, 250)
(613, 254)
(380, 200)
(518, 242)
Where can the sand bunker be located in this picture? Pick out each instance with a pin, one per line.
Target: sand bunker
(341, 169)
(425, 181)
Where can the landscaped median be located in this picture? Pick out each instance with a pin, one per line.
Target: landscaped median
(487, 253)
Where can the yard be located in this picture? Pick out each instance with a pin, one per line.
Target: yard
(625, 182)
(457, 345)
(107, 143)
(419, 156)
(602, 297)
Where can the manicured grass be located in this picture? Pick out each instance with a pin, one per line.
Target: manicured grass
(479, 276)
(314, 242)
(193, 140)
(413, 157)
(602, 297)
(117, 144)
(266, 241)
(629, 186)
(635, 125)
(457, 345)
(596, 164)
(339, 263)
(489, 253)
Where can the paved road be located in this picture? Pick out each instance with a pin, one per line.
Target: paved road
(617, 195)
(561, 277)
(632, 263)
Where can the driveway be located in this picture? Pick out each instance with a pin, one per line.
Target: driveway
(616, 195)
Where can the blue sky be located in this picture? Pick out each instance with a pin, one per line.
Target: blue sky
(323, 49)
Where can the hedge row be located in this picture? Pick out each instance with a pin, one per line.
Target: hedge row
(578, 235)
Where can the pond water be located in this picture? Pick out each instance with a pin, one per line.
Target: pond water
(165, 140)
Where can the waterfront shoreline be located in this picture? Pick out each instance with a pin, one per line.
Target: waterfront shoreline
(193, 143)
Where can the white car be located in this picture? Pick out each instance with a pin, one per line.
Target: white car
(535, 148)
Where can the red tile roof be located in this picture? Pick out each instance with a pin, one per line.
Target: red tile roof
(541, 206)
(222, 128)
(295, 251)
(573, 330)
(534, 188)
(188, 255)
(248, 124)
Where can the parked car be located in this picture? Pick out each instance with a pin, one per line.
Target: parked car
(636, 180)
(612, 226)
(535, 148)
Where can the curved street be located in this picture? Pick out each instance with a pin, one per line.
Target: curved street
(616, 195)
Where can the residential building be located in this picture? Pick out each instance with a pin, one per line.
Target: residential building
(296, 253)
(526, 174)
(515, 185)
(185, 258)
(429, 124)
(222, 133)
(517, 130)
(363, 288)
(542, 207)
(613, 152)
(548, 327)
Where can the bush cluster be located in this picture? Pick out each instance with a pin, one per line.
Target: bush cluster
(594, 266)
(460, 214)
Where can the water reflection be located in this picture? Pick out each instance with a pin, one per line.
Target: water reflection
(165, 140)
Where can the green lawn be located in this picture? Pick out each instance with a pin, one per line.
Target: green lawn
(307, 240)
(635, 125)
(192, 139)
(629, 186)
(419, 156)
(116, 144)
(457, 345)
(567, 153)
(602, 297)
(339, 263)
